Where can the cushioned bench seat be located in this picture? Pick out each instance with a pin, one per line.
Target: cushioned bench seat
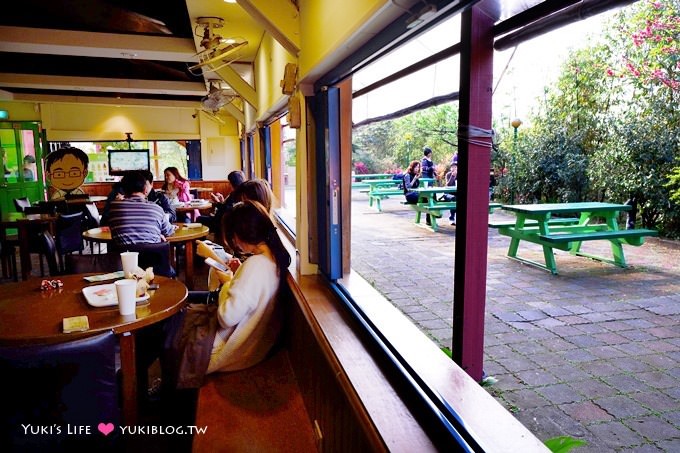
(256, 409)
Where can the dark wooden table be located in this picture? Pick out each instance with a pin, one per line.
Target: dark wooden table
(22, 222)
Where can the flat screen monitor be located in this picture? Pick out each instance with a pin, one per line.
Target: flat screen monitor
(122, 161)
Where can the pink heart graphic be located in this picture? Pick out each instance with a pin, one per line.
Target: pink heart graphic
(105, 428)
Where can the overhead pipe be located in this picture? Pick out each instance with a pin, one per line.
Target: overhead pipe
(579, 11)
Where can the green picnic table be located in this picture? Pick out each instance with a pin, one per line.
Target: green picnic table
(379, 189)
(534, 223)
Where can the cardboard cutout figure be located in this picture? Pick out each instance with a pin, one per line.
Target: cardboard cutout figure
(66, 170)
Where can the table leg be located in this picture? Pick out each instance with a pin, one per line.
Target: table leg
(617, 246)
(24, 254)
(548, 254)
(189, 263)
(128, 368)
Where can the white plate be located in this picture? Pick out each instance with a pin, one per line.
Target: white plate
(105, 295)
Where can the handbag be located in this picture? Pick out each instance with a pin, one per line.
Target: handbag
(188, 345)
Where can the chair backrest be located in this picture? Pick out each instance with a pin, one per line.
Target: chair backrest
(40, 209)
(48, 247)
(150, 255)
(69, 235)
(22, 203)
(54, 385)
(80, 264)
(92, 216)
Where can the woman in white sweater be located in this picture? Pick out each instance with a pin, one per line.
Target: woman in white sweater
(248, 314)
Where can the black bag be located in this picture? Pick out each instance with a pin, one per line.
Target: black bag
(188, 344)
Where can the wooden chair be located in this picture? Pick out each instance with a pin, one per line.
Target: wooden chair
(8, 260)
(156, 256)
(21, 203)
(69, 235)
(48, 249)
(98, 262)
(34, 232)
(70, 383)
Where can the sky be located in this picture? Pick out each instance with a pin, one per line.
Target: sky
(534, 65)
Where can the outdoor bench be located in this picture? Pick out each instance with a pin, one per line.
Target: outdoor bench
(381, 193)
(435, 208)
(630, 237)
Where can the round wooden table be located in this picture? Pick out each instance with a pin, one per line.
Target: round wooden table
(182, 235)
(190, 209)
(32, 316)
(21, 222)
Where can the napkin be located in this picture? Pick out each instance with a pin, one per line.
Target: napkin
(104, 277)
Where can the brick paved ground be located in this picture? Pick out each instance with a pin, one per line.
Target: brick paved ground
(593, 353)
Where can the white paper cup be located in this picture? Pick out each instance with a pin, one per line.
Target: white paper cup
(126, 290)
(130, 261)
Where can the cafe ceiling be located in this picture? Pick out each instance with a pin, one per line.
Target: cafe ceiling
(104, 50)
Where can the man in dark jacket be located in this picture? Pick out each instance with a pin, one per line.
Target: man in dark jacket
(426, 165)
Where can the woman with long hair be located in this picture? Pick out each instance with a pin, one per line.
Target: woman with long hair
(411, 181)
(176, 186)
(249, 320)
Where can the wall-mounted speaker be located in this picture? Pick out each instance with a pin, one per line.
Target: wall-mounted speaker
(289, 79)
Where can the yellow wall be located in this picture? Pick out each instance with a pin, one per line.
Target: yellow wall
(89, 122)
(21, 111)
(326, 25)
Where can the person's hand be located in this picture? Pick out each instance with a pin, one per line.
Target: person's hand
(120, 197)
(223, 277)
(205, 251)
(233, 264)
(217, 197)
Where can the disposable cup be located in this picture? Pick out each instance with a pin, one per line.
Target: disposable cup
(130, 262)
(126, 290)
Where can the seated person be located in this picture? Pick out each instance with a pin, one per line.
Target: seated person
(222, 202)
(451, 178)
(154, 196)
(116, 194)
(158, 197)
(176, 187)
(411, 181)
(136, 220)
(248, 321)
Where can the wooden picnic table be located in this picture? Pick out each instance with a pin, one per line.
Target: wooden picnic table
(428, 203)
(379, 189)
(534, 223)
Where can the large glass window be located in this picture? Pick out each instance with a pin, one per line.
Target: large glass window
(163, 154)
(288, 164)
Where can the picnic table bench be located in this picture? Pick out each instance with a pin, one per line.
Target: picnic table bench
(535, 224)
(428, 204)
(379, 189)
